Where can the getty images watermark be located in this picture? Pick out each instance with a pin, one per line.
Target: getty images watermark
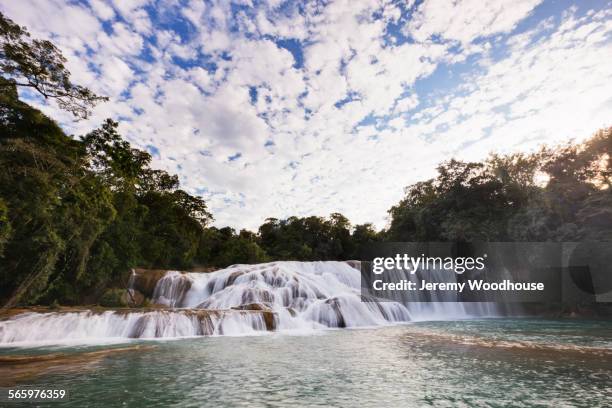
(571, 272)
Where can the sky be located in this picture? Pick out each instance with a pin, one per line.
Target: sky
(273, 109)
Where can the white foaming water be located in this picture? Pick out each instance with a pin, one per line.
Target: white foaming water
(39, 329)
(239, 300)
(437, 305)
(303, 295)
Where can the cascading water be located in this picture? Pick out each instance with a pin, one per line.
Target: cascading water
(303, 295)
(239, 300)
(435, 305)
(85, 326)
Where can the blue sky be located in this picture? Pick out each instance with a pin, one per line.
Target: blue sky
(275, 108)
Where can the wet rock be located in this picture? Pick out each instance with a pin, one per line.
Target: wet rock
(268, 315)
(335, 307)
(24, 368)
(145, 280)
(133, 298)
(270, 319)
(252, 306)
(172, 288)
(203, 269)
(137, 330)
(257, 295)
(232, 277)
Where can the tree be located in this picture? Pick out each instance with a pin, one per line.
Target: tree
(56, 208)
(223, 247)
(307, 239)
(5, 226)
(194, 207)
(40, 65)
(363, 236)
(76, 215)
(112, 157)
(502, 199)
(579, 192)
(465, 202)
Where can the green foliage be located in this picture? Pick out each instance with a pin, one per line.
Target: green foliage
(363, 236)
(465, 202)
(502, 199)
(77, 215)
(171, 235)
(40, 65)
(5, 226)
(55, 208)
(114, 160)
(114, 298)
(312, 238)
(223, 247)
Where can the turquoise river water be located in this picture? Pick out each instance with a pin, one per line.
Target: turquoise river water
(468, 363)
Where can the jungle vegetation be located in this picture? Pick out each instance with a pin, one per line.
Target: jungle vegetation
(77, 213)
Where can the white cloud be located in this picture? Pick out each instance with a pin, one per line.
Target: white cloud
(467, 20)
(102, 10)
(352, 126)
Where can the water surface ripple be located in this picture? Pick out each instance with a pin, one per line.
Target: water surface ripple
(472, 363)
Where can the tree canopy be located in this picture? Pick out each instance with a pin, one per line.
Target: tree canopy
(76, 214)
(40, 65)
(555, 194)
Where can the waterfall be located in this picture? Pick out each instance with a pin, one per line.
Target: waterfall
(302, 295)
(435, 305)
(238, 300)
(32, 329)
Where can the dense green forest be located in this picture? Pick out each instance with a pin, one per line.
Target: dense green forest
(77, 213)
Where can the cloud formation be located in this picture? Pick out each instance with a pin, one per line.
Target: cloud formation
(271, 109)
